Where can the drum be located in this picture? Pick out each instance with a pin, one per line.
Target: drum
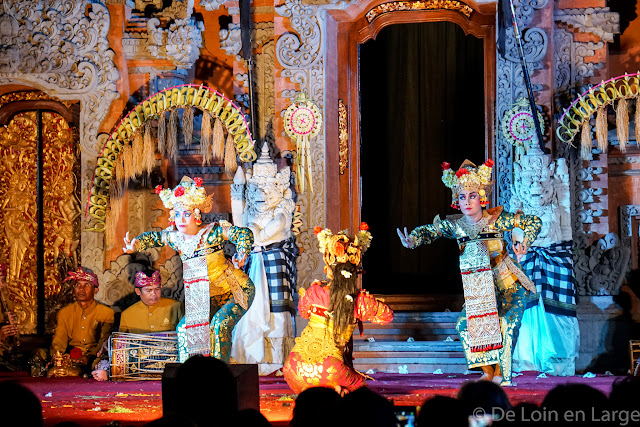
(136, 357)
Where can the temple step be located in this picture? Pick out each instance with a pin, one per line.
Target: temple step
(420, 326)
(423, 303)
(389, 351)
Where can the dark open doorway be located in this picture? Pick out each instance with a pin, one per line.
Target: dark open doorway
(422, 103)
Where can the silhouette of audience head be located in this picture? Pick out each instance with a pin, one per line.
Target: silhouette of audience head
(207, 391)
(315, 407)
(364, 407)
(486, 395)
(443, 411)
(19, 406)
(579, 402)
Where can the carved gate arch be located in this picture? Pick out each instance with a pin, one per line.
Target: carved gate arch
(348, 28)
(203, 98)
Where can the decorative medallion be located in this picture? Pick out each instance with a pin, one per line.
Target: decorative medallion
(518, 126)
(302, 121)
(454, 5)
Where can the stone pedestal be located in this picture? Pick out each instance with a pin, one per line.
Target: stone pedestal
(604, 335)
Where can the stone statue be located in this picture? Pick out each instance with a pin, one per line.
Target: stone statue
(541, 188)
(261, 199)
(549, 335)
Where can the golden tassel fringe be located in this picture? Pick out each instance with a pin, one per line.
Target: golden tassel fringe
(637, 121)
(230, 163)
(217, 145)
(187, 125)
(585, 140)
(149, 149)
(622, 123)
(138, 152)
(172, 136)
(205, 138)
(162, 133)
(602, 129)
(129, 172)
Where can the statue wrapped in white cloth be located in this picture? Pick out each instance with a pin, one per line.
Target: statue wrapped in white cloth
(261, 200)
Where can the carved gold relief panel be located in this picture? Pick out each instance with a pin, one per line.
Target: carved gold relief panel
(18, 212)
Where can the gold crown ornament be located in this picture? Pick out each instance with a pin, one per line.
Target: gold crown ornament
(189, 193)
(340, 248)
(468, 177)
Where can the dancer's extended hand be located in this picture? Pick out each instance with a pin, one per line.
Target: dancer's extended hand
(129, 245)
(520, 248)
(406, 239)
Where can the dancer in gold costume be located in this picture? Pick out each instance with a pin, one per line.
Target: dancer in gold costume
(217, 292)
(495, 287)
(333, 308)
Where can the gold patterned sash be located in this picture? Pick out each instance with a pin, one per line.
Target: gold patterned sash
(483, 323)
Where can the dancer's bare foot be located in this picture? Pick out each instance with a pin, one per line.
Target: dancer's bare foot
(497, 375)
(488, 373)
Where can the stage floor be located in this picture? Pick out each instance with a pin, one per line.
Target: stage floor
(91, 403)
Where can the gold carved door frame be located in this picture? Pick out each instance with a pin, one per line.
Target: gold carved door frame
(35, 126)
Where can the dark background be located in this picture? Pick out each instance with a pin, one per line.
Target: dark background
(422, 103)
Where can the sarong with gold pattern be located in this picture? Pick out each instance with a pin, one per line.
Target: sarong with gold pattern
(317, 359)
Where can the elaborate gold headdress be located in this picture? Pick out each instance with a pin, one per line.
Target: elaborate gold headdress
(188, 193)
(468, 177)
(339, 248)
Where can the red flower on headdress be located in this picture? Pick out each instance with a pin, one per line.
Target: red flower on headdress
(461, 172)
(445, 166)
(158, 189)
(489, 163)
(75, 353)
(364, 226)
(198, 181)
(179, 191)
(338, 249)
(317, 230)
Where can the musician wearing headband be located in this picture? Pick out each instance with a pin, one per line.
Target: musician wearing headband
(8, 318)
(333, 308)
(217, 291)
(495, 287)
(84, 325)
(152, 313)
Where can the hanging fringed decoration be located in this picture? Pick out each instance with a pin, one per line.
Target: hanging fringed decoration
(162, 133)
(187, 125)
(585, 140)
(637, 120)
(116, 198)
(129, 173)
(116, 191)
(149, 149)
(205, 138)
(217, 144)
(230, 163)
(622, 124)
(138, 152)
(172, 136)
(602, 129)
(302, 121)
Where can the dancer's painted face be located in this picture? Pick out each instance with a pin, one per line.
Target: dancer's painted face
(185, 221)
(470, 203)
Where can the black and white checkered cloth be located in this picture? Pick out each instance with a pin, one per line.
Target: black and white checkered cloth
(282, 273)
(551, 269)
